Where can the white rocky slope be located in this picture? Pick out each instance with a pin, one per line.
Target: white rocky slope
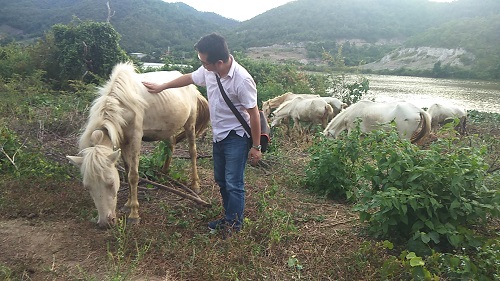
(422, 58)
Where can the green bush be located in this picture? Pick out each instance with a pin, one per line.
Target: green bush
(15, 59)
(430, 198)
(334, 167)
(17, 160)
(482, 263)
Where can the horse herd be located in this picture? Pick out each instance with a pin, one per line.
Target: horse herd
(125, 114)
(413, 123)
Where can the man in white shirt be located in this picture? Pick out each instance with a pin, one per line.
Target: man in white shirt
(232, 145)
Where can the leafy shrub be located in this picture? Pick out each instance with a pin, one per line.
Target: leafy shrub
(334, 167)
(15, 59)
(426, 197)
(17, 160)
(150, 164)
(9, 148)
(351, 92)
(482, 263)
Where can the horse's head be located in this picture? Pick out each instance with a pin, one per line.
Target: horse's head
(327, 132)
(266, 108)
(98, 168)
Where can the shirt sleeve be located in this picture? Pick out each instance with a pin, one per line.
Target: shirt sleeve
(247, 93)
(198, 76)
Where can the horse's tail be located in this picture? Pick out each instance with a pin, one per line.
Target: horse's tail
(203, 116)
(202, 119)
(327, 115)
(425, 127)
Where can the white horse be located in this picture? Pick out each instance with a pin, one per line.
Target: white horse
(122, 116)
(336, 104)
(442, 114)
(412, 122)
(312, 110)
(275, 102)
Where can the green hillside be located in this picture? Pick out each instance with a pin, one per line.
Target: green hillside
(145, 25)
(153, 26)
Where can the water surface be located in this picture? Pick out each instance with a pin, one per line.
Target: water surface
(423, 92)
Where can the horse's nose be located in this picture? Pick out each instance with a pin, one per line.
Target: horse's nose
(105, 224)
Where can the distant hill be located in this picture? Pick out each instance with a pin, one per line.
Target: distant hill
(369, 20)
(145, 25)
(372, 28)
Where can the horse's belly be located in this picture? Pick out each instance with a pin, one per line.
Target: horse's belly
(160, 125)
(156, 135)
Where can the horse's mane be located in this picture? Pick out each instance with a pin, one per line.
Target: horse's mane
(284, 107)
(118, 95)
(95, 162)
(276, 101)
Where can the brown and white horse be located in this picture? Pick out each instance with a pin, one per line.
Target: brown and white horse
(312, 110)
(122, 116)
(275, 102)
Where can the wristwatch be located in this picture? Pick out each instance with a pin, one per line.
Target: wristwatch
(258, 147)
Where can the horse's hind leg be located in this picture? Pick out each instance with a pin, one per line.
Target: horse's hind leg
(190, 131)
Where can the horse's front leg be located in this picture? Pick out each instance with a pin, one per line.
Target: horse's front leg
(131, 157)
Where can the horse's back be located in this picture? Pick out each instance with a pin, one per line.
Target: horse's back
(171, 109)
(160, 77)
(373, 114)
(440, 112)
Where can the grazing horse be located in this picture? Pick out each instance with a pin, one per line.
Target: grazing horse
(442, 114)
(313, 110)
(275, 102)
(412, 123)
(123, 115)
(336, 104)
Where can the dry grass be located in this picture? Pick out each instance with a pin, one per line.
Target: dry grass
(56, 238)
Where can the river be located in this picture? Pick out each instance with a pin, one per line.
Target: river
(470, 94)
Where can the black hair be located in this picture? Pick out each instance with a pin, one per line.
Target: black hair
(214, 46)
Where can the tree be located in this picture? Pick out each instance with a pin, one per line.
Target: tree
(86, 50)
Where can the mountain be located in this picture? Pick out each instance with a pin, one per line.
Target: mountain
(145, 25)
(367, 30)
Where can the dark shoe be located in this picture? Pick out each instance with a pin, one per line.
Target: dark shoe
(216, 224)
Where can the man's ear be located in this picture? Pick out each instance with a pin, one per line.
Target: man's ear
(75, 160)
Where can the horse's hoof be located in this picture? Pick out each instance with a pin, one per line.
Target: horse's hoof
(133, 221)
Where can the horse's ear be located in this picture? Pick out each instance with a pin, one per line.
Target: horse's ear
(96, 137)
(75, 160)
(113, 157)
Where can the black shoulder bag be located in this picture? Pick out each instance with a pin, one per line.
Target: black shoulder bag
(264, 126)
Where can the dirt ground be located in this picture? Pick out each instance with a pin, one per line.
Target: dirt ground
(48, 231)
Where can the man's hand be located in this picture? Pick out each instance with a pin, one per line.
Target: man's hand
(254, 156)
(153, 88)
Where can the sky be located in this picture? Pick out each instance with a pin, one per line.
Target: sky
(240, 10)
